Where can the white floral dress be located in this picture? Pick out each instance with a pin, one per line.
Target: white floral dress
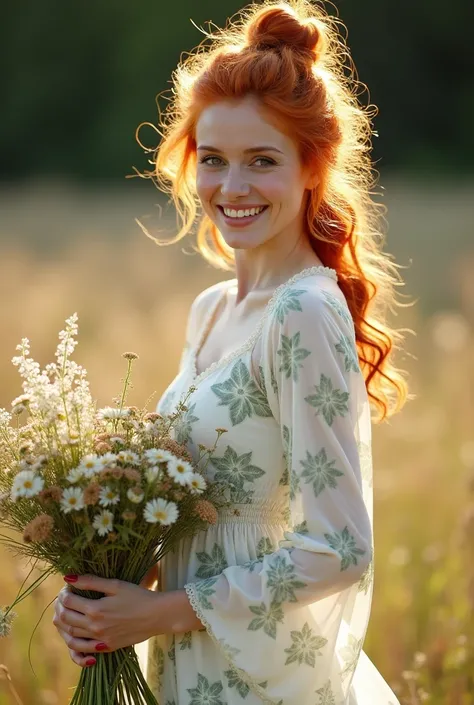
(283, 583)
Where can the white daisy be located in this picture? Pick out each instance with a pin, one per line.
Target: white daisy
(152, 473)
(158, 455)
(128, 457)
(134, 497)
(110, 413)
(108, 459)
(160, 511)
(180, 471)
(75, 475)
(197, 483)
(103, 522)
(90, 465)
(73, 498)
(26, 484)
(117, 439)
(108, 496)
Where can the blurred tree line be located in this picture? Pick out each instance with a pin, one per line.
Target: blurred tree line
(77, 78)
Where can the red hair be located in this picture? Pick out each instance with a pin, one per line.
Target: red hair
(291, 57)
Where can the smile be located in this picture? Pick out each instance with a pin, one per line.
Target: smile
(242, 216)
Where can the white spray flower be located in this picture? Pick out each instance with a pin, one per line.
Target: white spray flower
(158, 455)
(26, 484)
(90, 465)
(103, 522)
(135, 497)
(197, 483)
(108, 496)
(160, 511)
(72, 499)
(128, 457)
(108, 459)
(152, 473)
(180, 471)
(110, 413)
(74, 475)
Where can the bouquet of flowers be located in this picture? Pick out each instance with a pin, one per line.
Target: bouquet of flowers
(106, 492)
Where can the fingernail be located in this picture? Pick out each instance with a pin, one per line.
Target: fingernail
(71, 578)
(101, 646)
(91, 662)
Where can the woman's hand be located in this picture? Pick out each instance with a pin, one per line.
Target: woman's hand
(128, 614)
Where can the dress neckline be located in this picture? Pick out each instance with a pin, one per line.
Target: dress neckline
(206, 328)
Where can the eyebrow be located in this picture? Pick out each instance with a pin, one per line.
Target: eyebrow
(251, 150)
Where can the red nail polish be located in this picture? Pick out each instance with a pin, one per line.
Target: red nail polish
(71, 578)
(91, 662)
(101, 646)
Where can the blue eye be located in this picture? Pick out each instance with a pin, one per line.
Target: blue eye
(268, 162)
(207, 160)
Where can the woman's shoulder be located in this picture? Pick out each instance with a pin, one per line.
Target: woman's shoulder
(204, 301)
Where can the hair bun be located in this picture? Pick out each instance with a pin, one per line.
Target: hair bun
(275, 28)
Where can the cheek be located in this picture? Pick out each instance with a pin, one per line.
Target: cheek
(282, 191)
(206, 185)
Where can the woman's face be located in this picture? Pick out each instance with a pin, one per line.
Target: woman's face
(249, 177)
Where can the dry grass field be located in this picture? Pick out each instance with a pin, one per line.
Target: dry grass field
(61, 253)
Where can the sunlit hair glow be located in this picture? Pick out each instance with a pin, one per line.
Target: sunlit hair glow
(292, 58)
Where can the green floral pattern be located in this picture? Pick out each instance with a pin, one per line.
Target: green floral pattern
(234, 681)
(305, 647)
(350, 655)
(367, 578)
(319, 471)
(241, 395)
(172, 651)
(344, 543)
(186, 641)
(328, 401)
(341, 309)
(326, 696)
(295, 484)
(236, 469)
(346, 347)
(282, 580)
(206, 693)
(212, 563)
(287, 438)
(266, 618)
(183, 427)
(205, 589)
(288, 301)
(292, 356)
(301, 528)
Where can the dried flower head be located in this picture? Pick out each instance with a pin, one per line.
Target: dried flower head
(91, 494)
(221, 430)
(102, 447)
(112, 537)
(116, 473)
(206, 511)
(129, 516)
(177, 449)
(18, 409)
(152, 416)
(50, 494)
(25, 447)
(39, 529)
(132, 474)
(6, 619)
(130, 356)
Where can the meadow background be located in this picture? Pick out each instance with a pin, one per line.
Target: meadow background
(76, 82)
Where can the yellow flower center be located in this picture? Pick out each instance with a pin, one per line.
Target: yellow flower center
(72, 500)
(105, 521)
(27, 484)
(160, 515)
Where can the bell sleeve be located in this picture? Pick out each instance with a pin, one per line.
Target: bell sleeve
(277, 620)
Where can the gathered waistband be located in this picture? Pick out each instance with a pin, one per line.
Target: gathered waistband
(252, 514)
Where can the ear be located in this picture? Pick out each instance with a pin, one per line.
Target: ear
(312, 181)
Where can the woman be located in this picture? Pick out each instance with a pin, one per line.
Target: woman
(271, 605)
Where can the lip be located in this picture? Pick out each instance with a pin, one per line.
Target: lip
(240, 222)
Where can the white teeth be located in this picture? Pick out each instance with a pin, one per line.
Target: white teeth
(230, 213)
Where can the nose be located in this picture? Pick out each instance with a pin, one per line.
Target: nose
(233, 185)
